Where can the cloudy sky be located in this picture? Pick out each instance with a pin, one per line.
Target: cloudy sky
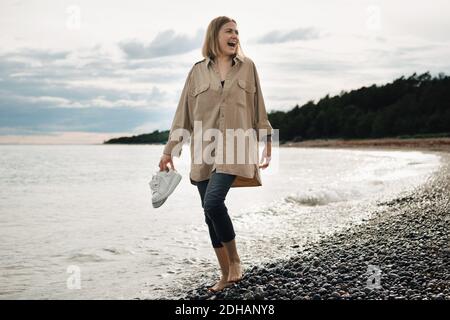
(86, 71)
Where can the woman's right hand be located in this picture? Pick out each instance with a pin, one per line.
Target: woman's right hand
(166, 159)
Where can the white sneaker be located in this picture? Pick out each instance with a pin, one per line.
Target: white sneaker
(163, 183)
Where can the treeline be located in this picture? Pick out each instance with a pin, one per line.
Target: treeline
(418, 106)
(414, 106)
(154, 137)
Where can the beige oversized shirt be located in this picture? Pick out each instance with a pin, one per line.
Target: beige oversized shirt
(239, 104)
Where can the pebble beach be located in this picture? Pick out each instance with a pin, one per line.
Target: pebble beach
(402, 252)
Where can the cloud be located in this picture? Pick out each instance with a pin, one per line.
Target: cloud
(26, 119)
(76, 79)
(278, 36)
(71, 137)
(43, 92)
(87, 90)
(166, 43)
(36, 54)
(298, 72)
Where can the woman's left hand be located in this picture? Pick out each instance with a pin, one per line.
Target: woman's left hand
(266, 155)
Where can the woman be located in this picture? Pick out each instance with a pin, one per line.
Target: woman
(222, 93)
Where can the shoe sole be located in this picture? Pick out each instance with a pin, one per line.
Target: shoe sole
(159, 203)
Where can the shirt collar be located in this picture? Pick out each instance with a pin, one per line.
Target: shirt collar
(236, 58)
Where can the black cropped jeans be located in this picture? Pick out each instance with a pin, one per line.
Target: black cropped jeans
(212, 194)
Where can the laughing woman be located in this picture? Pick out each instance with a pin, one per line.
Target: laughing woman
(222, 92)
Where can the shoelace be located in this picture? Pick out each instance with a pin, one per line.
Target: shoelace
(155, 183)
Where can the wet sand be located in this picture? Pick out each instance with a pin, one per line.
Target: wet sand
(426, 144)
(401, 252)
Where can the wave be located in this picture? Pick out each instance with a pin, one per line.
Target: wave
(322, 196)
(86, 257)
(117, 251)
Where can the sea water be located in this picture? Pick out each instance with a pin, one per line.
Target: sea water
(76, 221)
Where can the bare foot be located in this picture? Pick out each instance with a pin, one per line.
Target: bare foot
(234, 272)
(220, 285)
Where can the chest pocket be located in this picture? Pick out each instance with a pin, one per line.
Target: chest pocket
(200, 89)
(245, 92)
(246, 86)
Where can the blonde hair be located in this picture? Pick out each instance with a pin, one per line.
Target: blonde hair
(211, 44)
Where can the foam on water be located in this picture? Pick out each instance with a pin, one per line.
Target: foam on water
(322, 197)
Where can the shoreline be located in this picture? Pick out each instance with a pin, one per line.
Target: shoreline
(422, 144)
(401, 252)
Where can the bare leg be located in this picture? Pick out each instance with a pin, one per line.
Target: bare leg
(222, 257)
(234, 268)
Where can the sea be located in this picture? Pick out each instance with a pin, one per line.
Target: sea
(77, 222)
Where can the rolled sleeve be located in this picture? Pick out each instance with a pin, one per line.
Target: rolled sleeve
(181, 120)
(261, 120)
